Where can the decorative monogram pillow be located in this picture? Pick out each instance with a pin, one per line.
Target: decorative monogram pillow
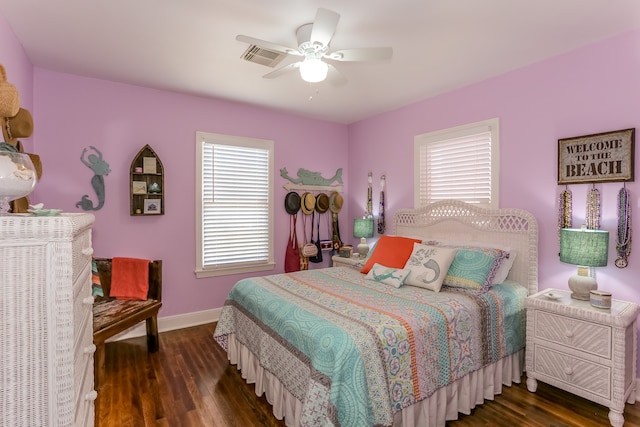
(429, 266)
(388, 275)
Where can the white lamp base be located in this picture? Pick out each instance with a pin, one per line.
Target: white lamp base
(581, 286)
(363, 248)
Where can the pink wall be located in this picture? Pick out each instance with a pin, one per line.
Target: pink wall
(18, 67)
(76, 112)
(593, 89)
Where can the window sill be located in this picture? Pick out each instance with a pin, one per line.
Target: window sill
(226, 271)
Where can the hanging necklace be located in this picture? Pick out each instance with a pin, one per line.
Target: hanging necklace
(623, 238)
(593, 209)
(564, 211)
(369, 212)
(381, 221)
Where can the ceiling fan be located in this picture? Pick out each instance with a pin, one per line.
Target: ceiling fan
(313, 47)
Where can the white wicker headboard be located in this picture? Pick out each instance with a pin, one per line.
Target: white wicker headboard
(458, 221)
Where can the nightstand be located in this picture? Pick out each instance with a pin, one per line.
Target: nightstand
(354, 262)
(584, 350)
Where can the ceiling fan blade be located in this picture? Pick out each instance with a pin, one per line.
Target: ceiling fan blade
(282, 70)
(324, 26)
(267, 45)
(335, 77)
(361, 54)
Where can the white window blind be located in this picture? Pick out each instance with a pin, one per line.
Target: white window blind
(236, 213)
(459, 163)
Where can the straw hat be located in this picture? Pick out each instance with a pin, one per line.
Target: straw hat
(322, 203)
(335, 202)
(9, 99)
(308, 203)
(18, 126)
(292, 203)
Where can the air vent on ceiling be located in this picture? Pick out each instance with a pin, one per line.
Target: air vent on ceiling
(262, 56)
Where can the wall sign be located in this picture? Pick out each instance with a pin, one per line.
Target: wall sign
(601, 157)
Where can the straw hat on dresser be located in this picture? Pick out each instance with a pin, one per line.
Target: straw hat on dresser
(9, 98)
(17, 126)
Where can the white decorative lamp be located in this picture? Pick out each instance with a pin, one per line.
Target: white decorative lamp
(584, 248)
(363, 228)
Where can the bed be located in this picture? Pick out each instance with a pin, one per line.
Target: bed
(334, 347)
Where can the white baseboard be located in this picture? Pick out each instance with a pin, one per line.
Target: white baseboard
(171, 323)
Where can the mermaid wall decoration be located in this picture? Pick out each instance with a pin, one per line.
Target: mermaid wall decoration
(100, 168)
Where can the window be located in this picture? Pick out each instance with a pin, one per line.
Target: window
(458, 163)
(234, 205)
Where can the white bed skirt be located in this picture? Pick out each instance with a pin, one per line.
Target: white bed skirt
(459, 397)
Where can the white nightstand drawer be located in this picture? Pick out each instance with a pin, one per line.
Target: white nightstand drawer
(576, 372)
(579, 334)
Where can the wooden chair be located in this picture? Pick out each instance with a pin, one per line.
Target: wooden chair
(112, 316)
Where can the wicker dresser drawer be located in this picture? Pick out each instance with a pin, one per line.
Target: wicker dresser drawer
(86, 395)
(83, 353)
(584, 336)
(574, 371)
(81, 253)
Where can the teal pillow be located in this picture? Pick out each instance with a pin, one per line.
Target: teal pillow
(474, 268)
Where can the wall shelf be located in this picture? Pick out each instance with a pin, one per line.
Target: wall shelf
(146, 183)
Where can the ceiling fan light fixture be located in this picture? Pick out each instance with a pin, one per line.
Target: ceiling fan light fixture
(313, 70)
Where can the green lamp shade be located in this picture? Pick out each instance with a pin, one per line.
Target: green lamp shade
(588, 248)
(363, 227)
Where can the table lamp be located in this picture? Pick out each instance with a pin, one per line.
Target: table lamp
(363, 228)
(584, 248)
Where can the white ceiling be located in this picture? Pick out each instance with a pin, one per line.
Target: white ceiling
(189, 45)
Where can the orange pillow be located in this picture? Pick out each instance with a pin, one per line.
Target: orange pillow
(390, 251)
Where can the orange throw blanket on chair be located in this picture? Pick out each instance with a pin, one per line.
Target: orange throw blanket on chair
(129, 278)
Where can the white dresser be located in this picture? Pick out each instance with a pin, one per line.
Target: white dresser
(588, 351)
(46, 321)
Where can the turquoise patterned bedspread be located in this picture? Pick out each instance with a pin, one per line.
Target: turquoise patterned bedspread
(355, 351)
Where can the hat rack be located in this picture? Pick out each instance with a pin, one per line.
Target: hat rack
(303, 187)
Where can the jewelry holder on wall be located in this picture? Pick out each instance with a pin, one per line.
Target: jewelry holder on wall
(565, 210)
(592, 219)
(623, 237)
(381, 223)
(369, 212)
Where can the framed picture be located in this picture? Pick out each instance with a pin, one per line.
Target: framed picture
(152, 206)
(149, 165)
(139, 187)
(601, 157)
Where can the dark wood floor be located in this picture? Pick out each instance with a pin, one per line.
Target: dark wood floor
(190, 383)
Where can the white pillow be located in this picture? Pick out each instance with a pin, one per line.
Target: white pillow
(388, 275)
(505, 267)
(429, 266)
